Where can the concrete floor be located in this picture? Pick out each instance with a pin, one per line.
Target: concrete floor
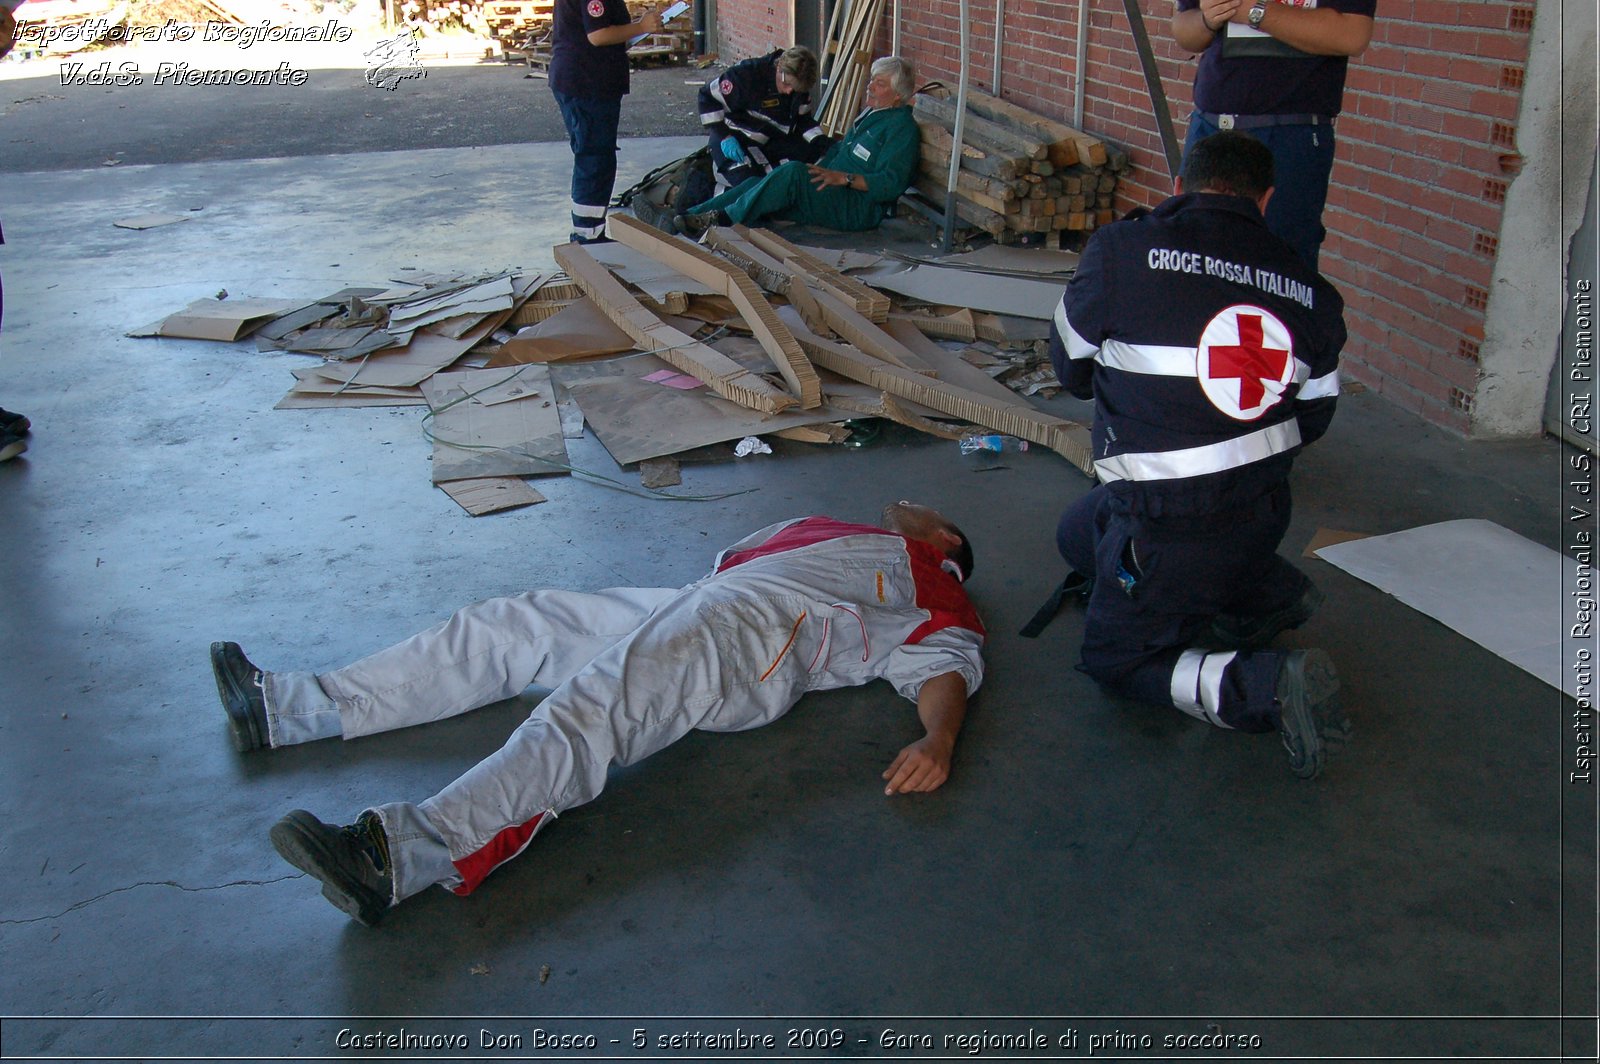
(1091, 867)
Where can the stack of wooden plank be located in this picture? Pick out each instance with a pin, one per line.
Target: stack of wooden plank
(522, 29)
(846, 62)
(513, 22)
(1020, 172)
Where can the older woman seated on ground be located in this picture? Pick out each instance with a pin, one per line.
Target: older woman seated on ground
(849, 187)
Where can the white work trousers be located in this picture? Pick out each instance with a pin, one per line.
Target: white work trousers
(633, 670)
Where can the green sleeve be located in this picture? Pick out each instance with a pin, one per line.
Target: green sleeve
(897, 158)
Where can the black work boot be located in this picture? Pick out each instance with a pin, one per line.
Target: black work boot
(352, 861)
(1232, 631)
(14, 424)
(695, 225)
(239, 685)
(1310, 720)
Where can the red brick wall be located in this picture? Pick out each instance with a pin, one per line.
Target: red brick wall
(751, 27)
(1426, 146)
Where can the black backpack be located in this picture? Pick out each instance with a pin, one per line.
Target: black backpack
(670, 189)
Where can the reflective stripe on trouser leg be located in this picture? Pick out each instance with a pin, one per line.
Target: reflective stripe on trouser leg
(592, 132)
(588, 221)
(1197, 684)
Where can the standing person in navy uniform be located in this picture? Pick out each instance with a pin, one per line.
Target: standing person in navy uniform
(1211, 352)
(589, 78)
(1276, 69)
(757, 114)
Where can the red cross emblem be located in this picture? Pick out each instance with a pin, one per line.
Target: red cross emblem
(727, 87)
(596, 8)
(1245, 360)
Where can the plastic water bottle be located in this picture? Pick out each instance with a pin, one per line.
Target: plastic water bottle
(992, 442)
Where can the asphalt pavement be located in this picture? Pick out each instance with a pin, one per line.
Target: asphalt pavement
(57, 114)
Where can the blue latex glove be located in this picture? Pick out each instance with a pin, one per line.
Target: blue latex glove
(733, 151)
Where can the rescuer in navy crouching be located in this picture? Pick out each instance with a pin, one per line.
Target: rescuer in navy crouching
(758, 114)
(1211, 352)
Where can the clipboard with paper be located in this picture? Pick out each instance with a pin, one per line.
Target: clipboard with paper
(672, 12)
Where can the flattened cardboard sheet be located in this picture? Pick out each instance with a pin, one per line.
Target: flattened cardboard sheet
(488, 495)
(1501, 591)
(486, 298)
(312, 391)
(324, 308)
(636, 419)
(471, 439)
(950, 366)
(942, 285)
(425, 355)
(225, 320)
(652, 278)
(842, 259)
(580, 330)
(298, 400)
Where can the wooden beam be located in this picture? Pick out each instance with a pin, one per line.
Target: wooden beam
(721, 374)
(868, 301)
(1067, 438)
(776, 277)
(985, 133)
(694, 261)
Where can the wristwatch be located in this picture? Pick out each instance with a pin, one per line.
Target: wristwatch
(1258, 11)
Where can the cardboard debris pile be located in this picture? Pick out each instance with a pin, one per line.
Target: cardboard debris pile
(664, 346)
(1020, 172)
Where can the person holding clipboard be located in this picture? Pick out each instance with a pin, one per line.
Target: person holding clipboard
(589, 78)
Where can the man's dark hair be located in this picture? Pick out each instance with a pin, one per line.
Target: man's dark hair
(1230, 163)
(962, 555)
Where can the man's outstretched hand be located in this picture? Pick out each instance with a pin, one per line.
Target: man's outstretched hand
(925, 764)
(922, 766)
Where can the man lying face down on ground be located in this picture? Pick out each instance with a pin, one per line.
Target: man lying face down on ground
(807, 604)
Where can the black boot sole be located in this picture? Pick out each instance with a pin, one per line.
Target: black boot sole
(300, 839)
(1308, 696)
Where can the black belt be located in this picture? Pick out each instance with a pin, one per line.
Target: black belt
(1262, 121)
(1075, 584)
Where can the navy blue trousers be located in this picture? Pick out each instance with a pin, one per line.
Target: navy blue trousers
(1157, 586)
(1302, 159)
(592, 131)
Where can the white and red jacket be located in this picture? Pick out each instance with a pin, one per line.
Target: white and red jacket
(805, 605)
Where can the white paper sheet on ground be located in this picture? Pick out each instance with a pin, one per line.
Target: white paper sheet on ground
(1501, 591)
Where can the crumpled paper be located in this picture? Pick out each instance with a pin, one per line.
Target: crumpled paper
(751, 445)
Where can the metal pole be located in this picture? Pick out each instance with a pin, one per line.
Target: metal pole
(894, 37)
(1152, 80)
(1078, 77)
(999, 36)
(955, 149)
